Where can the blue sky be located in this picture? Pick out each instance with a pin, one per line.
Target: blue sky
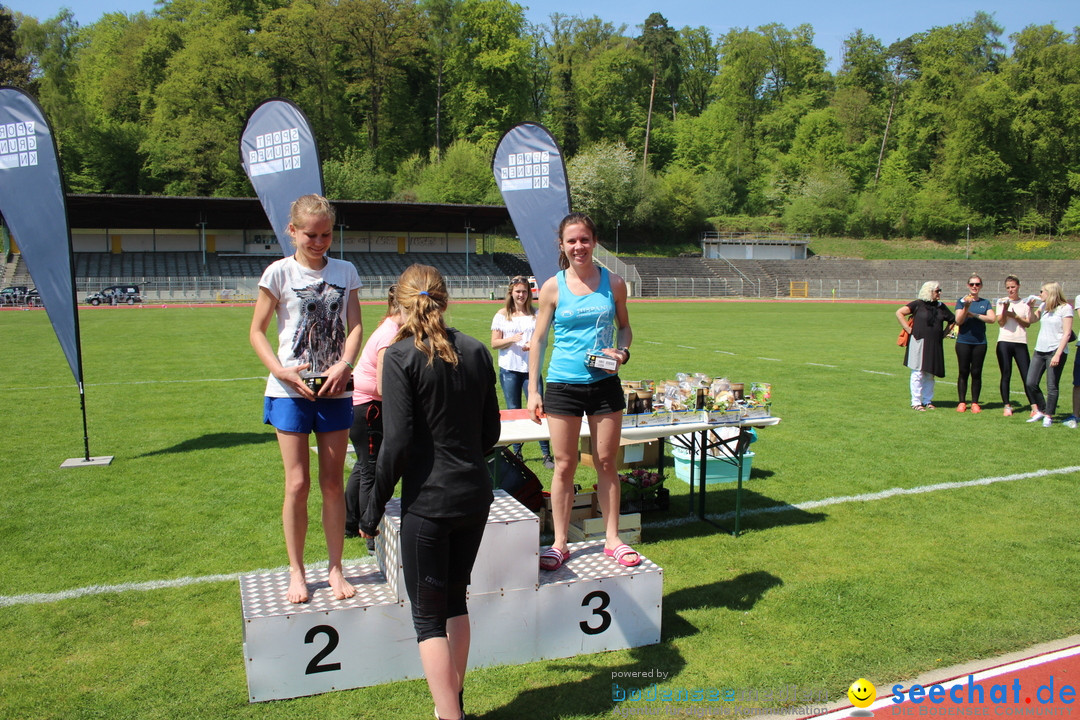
(832, 20)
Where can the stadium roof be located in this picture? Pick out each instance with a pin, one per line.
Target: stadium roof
(161, 212)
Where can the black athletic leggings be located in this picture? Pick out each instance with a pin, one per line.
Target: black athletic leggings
(437, 556)
(1007, 353)
(970, 359)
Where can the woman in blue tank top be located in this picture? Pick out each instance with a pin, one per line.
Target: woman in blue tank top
(586, 304)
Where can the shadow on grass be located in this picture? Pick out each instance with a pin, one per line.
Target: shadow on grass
(215, 441)
(595, 694)
(759, 512)
(592, 694)
(740, 593)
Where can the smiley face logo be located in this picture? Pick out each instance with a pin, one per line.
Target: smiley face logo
(862, 693)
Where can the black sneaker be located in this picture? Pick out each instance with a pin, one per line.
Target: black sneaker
(349, 534)
(371, 545)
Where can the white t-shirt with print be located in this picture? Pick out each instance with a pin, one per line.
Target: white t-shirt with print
(312, 321)
(514, 357)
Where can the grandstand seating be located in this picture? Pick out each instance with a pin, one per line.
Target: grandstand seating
(659, 276)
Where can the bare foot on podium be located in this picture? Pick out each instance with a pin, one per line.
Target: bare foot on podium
(298, 592)
(341, 587)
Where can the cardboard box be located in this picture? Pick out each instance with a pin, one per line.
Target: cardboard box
(757, 411)
(591, 529)
(726, 417)
(585, 506)
(656, 417)
(630, 454)
(681, 417)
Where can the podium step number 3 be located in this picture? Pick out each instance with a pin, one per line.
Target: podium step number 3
(518, 614)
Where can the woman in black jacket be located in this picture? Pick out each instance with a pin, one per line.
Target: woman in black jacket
(929, 321)
(440, 418)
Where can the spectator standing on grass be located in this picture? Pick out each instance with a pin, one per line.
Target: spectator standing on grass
(586, 304)
(972, 315)
(367, 428)
(928, 320)
(1013, 317)
(315, 298)
(1055, 318)
(511, 334)
(440, 418)
(1073, 419)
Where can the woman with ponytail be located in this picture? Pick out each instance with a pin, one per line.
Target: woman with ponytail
(440, 418)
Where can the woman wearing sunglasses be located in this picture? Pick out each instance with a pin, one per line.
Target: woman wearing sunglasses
(972, 315)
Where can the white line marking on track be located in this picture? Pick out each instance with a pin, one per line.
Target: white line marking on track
(822, 365)
(868, 497)
(42, 598)
(878, 372)
(139, 382)
(687, 347)
(723, 352)
(770, 359)
(653, 342)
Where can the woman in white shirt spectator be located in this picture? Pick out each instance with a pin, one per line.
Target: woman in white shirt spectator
(1055, 318)
(511, 334)
(1014, 317)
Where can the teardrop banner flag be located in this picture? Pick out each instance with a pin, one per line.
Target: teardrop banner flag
(531, 175)
(281, 160)
(34, 207)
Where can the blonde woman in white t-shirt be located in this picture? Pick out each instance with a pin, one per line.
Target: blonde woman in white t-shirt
(1013, 317)
(1055, 318)
(511, 334)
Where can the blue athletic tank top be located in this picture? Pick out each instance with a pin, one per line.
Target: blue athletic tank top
(582, 323)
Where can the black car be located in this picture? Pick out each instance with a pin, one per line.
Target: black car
(33, 298)
(14, 295)
(116, 295)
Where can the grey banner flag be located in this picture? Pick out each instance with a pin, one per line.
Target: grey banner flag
(34, 207)
(531, 175)
(282, 162)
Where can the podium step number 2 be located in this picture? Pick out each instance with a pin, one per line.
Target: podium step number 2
(518, 614)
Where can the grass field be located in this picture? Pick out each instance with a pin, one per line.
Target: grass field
(880, 586)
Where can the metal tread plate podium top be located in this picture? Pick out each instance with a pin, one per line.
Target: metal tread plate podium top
(588, 562)
(265, 594)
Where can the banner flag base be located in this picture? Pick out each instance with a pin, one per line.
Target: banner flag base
(83, 462)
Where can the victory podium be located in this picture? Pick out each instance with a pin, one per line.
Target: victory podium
(518, 613)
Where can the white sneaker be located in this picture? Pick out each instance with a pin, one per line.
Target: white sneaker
(1035, 417)
(1070, 422)
(1047, 421)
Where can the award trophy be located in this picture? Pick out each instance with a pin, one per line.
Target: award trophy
(605, 334)
(314, 380)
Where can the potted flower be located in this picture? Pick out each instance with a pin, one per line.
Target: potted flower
(643, 490)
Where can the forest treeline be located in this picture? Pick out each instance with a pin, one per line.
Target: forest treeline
(663, 128)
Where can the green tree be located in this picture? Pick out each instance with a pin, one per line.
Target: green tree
(385, 37)
(463, 175)
(661, 47)
(488, 70)
(210, 84)
(355, 177)
(304, 46)
(700, 64)
(14, 68)
(603, 183)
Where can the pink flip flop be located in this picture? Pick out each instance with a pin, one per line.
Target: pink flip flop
(620, 553)
(554, 557)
